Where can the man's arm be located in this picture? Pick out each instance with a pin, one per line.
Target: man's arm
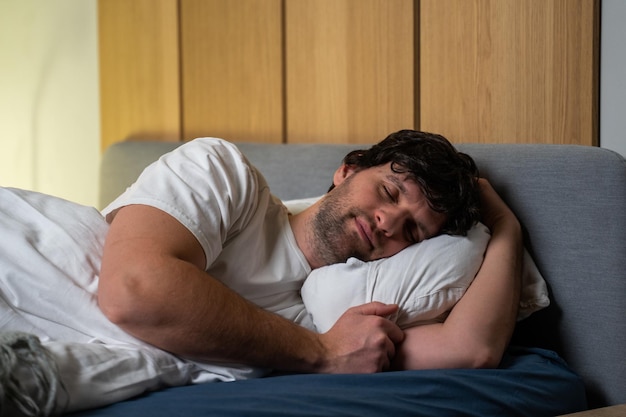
(152, 284)
(479, 327)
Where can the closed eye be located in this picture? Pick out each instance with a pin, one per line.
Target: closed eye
(387, 193)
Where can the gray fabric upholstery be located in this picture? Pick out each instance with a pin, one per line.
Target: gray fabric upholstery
(570, 199)
(293, 171)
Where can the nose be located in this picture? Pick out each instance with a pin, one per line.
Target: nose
(390, 220)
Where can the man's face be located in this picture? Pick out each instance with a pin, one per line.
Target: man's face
(370, 214)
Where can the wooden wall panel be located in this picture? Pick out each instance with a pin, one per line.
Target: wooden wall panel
(232, 69)
(510, 70)
(349, 71)
(350, 68)
(139, 70)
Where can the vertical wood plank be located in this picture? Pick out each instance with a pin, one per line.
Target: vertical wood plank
(509, 70)
(350, 69)
(232, 69)
(139, 70)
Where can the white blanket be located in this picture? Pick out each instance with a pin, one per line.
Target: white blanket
(49, 263)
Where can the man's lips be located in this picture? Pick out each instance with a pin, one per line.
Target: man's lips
(365, 232)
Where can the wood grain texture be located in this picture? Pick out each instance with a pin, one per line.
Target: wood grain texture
(350, 68)
(232, 69)
(139, 70)
(509, 70)
(349, 71)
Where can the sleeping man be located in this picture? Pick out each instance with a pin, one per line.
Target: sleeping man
(194, 273)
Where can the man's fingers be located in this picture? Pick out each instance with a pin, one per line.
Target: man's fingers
(376, 308)
(395, 333)
(363, 339)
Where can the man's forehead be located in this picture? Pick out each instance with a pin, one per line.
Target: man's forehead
(398, 175)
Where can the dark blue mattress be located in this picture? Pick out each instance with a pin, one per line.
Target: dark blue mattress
(529, 382)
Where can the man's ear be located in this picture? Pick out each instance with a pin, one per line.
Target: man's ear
(343, 172)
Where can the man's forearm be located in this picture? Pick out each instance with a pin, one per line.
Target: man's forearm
(206, 321)
(198, 317)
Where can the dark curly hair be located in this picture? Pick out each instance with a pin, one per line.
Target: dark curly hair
(448, 178)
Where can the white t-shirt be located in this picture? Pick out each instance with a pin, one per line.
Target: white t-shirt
(211, 188)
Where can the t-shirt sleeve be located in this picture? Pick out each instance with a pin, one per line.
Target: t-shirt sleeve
(205, 184)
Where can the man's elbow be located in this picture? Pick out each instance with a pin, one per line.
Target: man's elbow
(118, 298)
(485, 357)
(115, 312)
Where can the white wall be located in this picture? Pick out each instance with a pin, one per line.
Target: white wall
(49, 114)
(613, 76)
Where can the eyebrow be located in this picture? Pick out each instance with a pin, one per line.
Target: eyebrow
(397, 182)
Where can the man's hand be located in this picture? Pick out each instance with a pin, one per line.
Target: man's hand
(362, 341)
(493, 209)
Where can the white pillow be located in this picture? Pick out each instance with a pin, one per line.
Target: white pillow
(425, 280)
